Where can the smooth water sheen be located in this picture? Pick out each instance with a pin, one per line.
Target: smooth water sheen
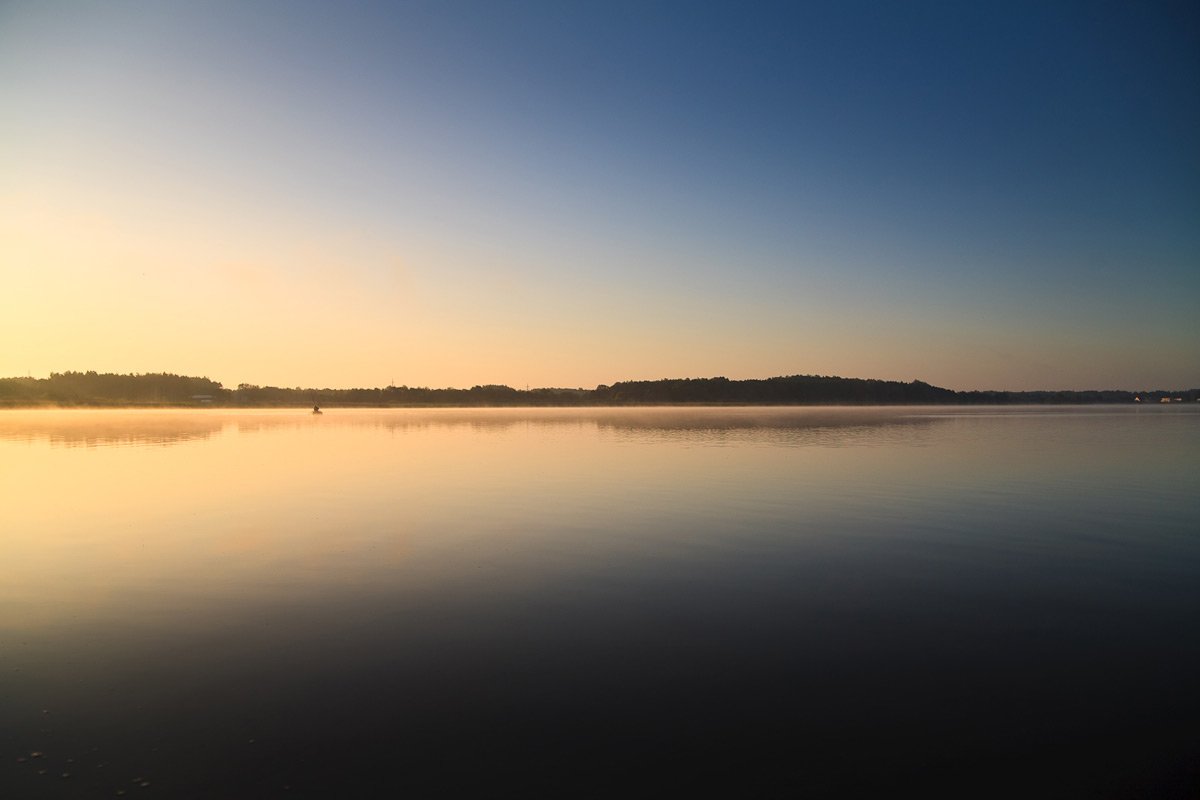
(608, 602)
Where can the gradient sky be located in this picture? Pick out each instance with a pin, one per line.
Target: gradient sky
(981, 196)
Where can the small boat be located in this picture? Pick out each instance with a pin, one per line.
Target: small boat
(317, 410)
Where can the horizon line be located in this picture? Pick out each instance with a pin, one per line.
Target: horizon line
(393, 385)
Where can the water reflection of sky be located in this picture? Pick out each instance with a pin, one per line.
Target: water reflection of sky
(239, 544)
(240, 503)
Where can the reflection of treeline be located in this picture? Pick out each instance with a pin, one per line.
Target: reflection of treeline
(106, 389)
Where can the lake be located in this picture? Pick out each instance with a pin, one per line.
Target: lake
(974, 602)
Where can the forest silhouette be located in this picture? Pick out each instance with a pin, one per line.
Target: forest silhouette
(89, 389)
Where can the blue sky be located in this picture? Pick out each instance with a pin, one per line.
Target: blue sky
(558, 194)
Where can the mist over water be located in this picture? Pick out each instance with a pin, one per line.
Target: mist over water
(980, 602)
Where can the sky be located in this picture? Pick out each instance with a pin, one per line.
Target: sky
(563, 194)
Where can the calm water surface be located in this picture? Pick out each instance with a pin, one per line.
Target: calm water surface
(632, 602)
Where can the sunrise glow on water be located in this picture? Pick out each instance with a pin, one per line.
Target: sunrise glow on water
(430, 600)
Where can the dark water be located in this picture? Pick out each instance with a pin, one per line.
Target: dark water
(977, 603)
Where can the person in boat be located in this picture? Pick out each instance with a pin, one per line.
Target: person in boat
(317, 410)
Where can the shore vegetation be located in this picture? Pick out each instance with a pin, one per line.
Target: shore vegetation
(93, 389)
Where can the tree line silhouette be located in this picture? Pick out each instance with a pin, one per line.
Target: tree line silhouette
(166, 389)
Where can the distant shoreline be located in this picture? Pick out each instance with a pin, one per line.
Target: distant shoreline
(176, 407)
(166, 390)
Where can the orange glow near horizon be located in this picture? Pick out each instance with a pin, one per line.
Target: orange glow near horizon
(123, 290)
